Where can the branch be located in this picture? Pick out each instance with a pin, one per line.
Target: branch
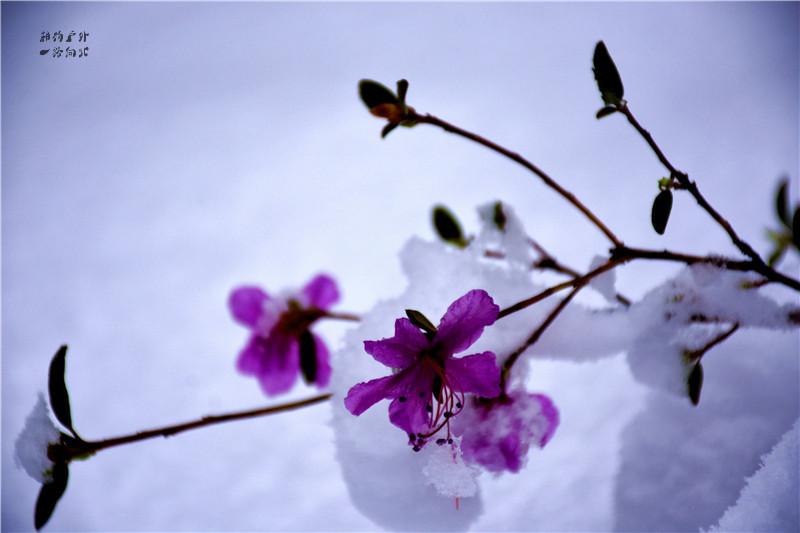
(536, 335)
(168, 431)
(626, 254)
(435, 121)
(695, 355)
(682, 178)
(575, 282)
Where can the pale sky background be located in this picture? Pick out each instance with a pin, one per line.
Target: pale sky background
(203, 145)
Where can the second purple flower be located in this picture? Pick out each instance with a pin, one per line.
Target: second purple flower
(281, 344)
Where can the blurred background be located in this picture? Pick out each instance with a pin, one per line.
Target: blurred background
(199, 146)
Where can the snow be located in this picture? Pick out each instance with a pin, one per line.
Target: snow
(448, 473)
(770, 500)
(605, 282)
(682, 466)
(30, 448)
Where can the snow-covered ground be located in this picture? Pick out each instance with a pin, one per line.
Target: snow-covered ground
(201, 146)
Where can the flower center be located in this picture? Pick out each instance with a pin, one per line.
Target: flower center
(446, 401)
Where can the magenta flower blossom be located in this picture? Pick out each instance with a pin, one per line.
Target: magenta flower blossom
(497, 434)
(428, 384)
(281, 344)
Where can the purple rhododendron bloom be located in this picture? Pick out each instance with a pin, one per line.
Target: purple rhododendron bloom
(497, 434)
(281, 344)
(428, 384)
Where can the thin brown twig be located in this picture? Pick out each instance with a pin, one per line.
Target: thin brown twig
(168, 431)
(512, 358)
(696, 355)
(575, 282)
(758, 264)
(549, 262)
(550, 182)
(351, 317)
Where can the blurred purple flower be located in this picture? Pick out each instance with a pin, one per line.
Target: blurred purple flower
(281, 345)
(428, 385)
(497, 434)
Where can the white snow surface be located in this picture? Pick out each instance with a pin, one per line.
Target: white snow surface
(770, 500)
(30, 448)
(605, 282)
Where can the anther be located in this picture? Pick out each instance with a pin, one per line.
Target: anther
(416, 448)
(448, 414)
(402, 399)
(458, 405)
(440, 441)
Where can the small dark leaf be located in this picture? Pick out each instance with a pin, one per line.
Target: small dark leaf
(59, 397)
(421, 321)
(374, 94)
(782, 202)
(776, 254)
(402, 89)
(447, 226)
(308, 356)
(796, 227)
(695, 383)
(49, 495)
(43, 52)
(659, 216)
(499, 217)
(605, 111)
(387, 129)
(607, 76)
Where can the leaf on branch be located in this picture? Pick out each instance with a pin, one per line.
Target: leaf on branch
(695, 383)
(776, 254)
(782, 202)
(402, 89)
(605, 111)
(57, 388)
(499, 216)
(49, 495)
(308, 356)
(421, 321)
(607, 76)
(796, 227)
(447, 226)
(387, 129)
(662, 206)
(374, 94)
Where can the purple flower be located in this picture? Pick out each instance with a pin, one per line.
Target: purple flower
(428, 384)
(498, 433)
(281, 344)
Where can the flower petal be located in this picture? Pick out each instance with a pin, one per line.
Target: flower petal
(251, 356)
(400, 351)
(275, 361)
(321, 292)
(550, 414)
(410, 415)
(247, 304)
(477, 373)
(364, 395)
(464, 320)
(408, 410)
(323, 363)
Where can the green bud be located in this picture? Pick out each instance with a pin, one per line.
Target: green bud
(605, 72)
